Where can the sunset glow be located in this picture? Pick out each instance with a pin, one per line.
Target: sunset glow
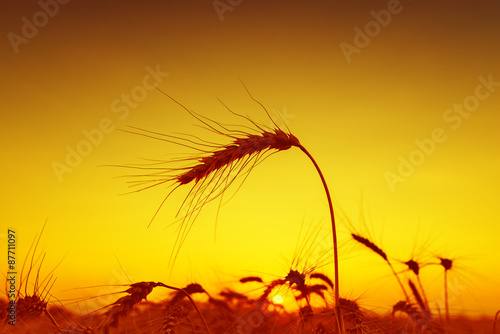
(278, 299)
(398, 102)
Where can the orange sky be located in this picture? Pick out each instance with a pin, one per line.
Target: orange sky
(398, 102)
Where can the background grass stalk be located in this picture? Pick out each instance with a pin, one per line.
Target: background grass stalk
(338, 311)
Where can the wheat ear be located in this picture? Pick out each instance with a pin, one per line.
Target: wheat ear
(419, 299)
(213, 169)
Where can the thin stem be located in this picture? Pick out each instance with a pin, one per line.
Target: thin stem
(423, 293)
(399, 281)
(338, 311)
(446, 295)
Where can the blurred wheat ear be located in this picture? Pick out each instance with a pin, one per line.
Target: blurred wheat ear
(215, 168)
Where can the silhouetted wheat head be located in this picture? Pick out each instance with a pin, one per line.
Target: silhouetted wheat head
(216, 166)
(124, 305)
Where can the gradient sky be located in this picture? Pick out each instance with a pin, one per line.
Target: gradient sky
(360, 112)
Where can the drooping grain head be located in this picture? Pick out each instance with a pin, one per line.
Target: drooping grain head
(190, 289)
(194, 288)
(413, 266)
(237, 150)
(417, 296)
(251, 279)
(446, 263)
(295, 277)
(370, 245)
(322, 277)
(124, 305)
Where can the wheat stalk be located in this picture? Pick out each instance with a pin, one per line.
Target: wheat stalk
(215, 169)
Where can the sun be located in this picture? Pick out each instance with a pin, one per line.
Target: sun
(278, 299)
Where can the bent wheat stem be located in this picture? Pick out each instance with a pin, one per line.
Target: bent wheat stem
(338, 311)
(214, 170)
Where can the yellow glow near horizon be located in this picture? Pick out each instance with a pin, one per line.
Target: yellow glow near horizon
(277, 299)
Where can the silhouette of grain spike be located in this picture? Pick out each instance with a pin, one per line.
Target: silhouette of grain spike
(295, 277)
(383, 255)
(251, 279)
(322, 277)
(120, 308)
(136, 293)
(446, 263)
(218, 165)
(370, 245)
(415, 268)
(419, 299)
(189, 289)
(240, 148)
